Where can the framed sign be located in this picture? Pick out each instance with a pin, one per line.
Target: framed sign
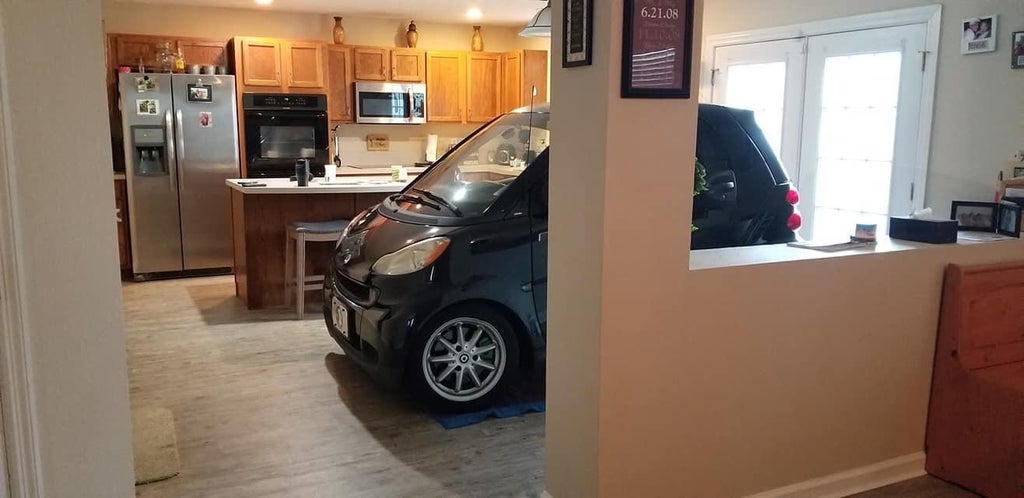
(577, 33)
(200, 93)
(657, 48)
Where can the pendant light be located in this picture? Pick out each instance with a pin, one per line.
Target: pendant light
(540, 25)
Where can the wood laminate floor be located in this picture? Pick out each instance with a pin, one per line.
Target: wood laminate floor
(266, 405)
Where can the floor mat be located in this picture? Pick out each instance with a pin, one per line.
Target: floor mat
(527, 397)
(154, 444)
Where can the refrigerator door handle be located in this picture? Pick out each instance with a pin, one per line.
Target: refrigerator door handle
(179, 133)
(172, 156)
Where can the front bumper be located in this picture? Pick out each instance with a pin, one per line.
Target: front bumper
(379, 332)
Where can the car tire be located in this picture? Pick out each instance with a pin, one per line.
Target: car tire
(463, 359)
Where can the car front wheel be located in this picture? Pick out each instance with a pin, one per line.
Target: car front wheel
(466, 359)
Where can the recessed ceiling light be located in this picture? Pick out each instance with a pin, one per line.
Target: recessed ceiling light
(473, 14)
(264, 2)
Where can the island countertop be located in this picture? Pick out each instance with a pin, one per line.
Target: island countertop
(340, 185)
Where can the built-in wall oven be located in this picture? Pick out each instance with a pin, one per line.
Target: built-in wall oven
(281, 128)
(391, 103)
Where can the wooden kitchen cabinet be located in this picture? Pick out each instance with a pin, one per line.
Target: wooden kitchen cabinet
(305, 62)
(204, 52)
(483, 87)
(339, 77)
(121, 214)
(261, 62)
(407, 64)
(524, 69)
(446, 86)
(371, 63)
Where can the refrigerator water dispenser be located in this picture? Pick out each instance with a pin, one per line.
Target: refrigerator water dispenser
(149, 157)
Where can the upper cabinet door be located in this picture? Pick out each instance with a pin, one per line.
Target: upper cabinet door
(484, 88)
(204, 52)
(534, 74)
(261, 62)
(512, 81)
(339, 76)
(305, 65)
(132, 50)
(446, 86)
(371, 63)
(407, 65)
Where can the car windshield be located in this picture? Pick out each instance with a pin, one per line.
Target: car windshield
(469, 180)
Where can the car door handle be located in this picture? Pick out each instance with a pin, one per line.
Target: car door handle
(542, 236)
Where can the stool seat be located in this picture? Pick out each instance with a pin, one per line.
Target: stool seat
(320, 227)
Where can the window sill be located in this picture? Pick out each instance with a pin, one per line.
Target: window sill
(708, 259)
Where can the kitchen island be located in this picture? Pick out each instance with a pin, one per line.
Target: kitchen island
(260, 216)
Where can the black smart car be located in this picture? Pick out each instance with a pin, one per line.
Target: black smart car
(443, 287)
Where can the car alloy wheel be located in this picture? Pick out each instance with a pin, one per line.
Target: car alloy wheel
(464, 359)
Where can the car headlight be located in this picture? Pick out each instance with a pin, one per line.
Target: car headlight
(411, 258)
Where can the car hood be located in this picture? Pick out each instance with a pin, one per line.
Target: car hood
(374, 235)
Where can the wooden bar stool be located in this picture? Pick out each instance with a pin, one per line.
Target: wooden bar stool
(295, 266)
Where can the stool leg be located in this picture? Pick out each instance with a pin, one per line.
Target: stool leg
(289, 260)
(300, 275)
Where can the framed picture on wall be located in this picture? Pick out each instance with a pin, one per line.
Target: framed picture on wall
(1017, 50)
(975, 216)
(979, 35)
(577, 33)
(657, 48)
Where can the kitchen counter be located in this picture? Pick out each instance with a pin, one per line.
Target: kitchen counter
(342, 185)
(260, 217)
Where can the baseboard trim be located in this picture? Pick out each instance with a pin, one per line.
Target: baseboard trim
(853, 481)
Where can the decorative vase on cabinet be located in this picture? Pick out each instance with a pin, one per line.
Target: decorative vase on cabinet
(478, 40)
(411, 36)
(339, 31)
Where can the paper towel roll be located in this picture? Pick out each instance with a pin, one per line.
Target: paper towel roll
(431, 148)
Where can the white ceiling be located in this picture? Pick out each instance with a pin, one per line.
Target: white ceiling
(495, 12)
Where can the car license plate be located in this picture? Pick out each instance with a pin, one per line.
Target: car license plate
(339, 313)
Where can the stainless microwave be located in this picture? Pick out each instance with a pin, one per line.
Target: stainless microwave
(391, 103)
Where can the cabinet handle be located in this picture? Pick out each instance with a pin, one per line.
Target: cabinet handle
(291, 78)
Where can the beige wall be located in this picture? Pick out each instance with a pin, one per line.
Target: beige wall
(979, 112)
(58, 171)
(668, 382)
(407, 143)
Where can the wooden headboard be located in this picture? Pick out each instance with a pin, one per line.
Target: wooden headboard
(983, 310)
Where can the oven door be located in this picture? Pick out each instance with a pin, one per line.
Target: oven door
(390, 103)
(274, 140)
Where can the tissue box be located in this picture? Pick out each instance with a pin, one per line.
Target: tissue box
(930, 231)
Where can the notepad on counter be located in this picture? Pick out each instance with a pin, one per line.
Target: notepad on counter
(832, 245)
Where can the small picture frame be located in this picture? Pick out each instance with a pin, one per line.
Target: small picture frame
(975, 216)
(200, 93)
(577, 33)
(1018, 172)
(657, 49)
(1009, 220)
(1017, 50)
(979, 35)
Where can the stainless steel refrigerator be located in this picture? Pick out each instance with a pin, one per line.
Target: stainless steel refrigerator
(181, 143)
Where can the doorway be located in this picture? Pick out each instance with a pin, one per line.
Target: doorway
(846, 106)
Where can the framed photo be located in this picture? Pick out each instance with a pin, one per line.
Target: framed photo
(1017, 50)
(657, 48)
(979, 35)
(1009, 220)
(200, 93)
(976, 216)
(1018, 172)
(577, 33)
